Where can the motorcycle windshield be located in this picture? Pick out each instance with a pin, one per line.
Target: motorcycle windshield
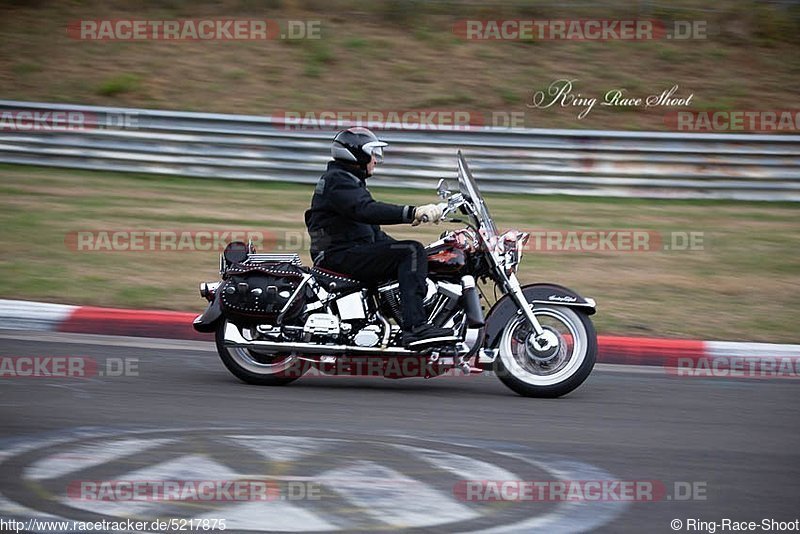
(469, 188)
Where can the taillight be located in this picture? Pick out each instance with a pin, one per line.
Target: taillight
(208, 290)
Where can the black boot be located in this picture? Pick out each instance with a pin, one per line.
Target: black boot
(427, 334)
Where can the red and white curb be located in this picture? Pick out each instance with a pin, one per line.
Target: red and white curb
(42, 316)
(686, 356)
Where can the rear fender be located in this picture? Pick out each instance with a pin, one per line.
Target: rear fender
(207, 321)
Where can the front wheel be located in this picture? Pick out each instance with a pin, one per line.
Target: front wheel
(258, 368)
(556, 372)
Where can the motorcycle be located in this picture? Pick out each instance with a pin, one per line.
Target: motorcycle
(275, 319)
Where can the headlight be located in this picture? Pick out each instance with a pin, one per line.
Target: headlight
(511, 246)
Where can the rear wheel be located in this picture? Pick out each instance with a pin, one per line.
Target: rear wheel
(253, 367)
(553, 373)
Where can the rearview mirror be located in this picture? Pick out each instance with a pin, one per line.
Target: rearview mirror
(442, 189)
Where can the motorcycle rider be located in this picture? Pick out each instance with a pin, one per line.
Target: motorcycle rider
(343, 222)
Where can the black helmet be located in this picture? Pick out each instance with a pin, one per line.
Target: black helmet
(357, 145)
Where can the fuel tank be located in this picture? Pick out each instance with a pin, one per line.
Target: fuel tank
(446, 259)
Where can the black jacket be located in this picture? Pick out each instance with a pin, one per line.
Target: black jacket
(343, 213)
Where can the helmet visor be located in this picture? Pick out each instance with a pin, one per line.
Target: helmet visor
(375, 148)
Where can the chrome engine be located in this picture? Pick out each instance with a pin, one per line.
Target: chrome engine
(389, 295)
(321, 325)
(369, 336)
(355, 321)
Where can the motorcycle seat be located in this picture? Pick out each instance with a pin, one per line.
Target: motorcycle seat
(342, 281)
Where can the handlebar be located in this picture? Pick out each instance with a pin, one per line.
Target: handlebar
(445, 208)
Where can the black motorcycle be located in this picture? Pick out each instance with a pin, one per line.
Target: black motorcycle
(275, 319)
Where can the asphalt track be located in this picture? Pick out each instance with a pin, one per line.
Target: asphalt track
(387, 454)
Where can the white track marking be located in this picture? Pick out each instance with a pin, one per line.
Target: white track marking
(463, 466)
(393, 498)
(85, 456)
(22, 314)
(723, 349)
(282, 448)
(189, 467)
(12, 509)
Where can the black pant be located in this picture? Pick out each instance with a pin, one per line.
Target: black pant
(382, 261)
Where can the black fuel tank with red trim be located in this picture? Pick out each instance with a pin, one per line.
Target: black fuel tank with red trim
(445, 259)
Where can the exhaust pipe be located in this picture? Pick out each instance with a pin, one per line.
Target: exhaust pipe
(234, 338)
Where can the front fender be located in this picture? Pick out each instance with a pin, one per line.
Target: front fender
(505, 308)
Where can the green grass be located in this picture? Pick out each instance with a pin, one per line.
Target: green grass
(745, 284)
(23, 68)
(509, 96)
(318, 56)
(356, 43)
(121, 83)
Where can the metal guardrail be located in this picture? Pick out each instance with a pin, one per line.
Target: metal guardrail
(534, 161)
